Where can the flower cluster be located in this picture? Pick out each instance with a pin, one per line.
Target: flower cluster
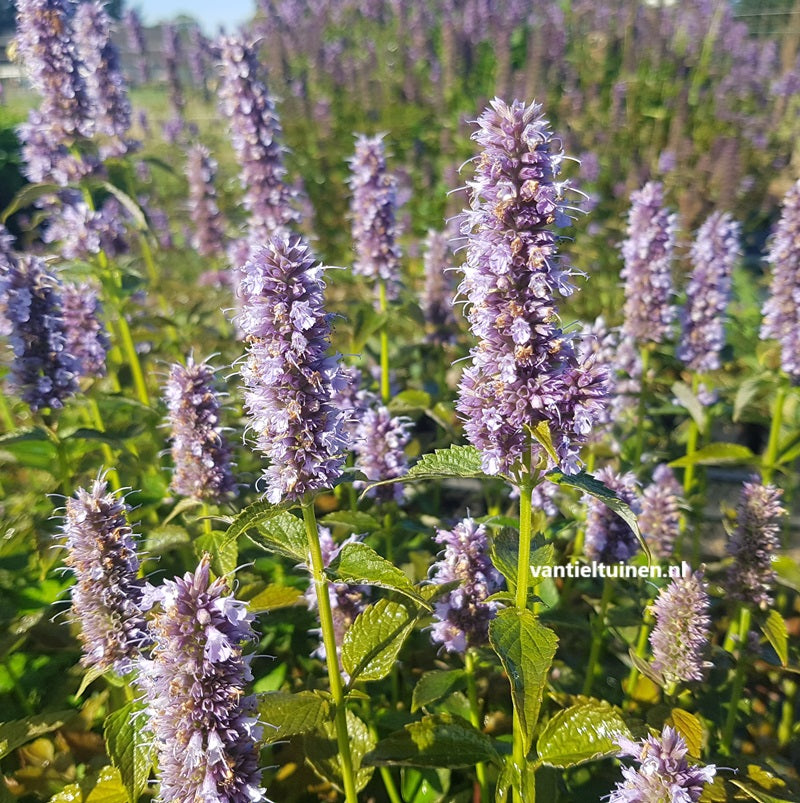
(85, 335)
(200, 454)
(288, 375)
(681, 633)
(663, 774)
(754, 542)
(660, 518)
(380, 439)
(609, 539)
(208, 236)
(82, 231)
(463, 615)
(438, 292)
(525, 371)
(647, 253)
(782, 307)
(172, 58)
(107, 596)
(205, 727)
(136, 44)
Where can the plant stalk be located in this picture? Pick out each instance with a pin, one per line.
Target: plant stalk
(475, 720)
(384, 335)
(597, 637)
(771, 455)
(739, 680)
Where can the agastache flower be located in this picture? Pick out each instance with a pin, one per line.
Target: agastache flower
(647, 253)
(85, 336)
(373, 208)
(439, 289)
(609, 539)
(137, 44)
(681, 634)
(209, 234)
(782, 307)
(525, 371)
(200, 454)
(660, 516)
(664, 775)
(205, 728)
(42, 371)
(172, 60)
(463, 614)
(754, 542)
(107, 596)
(288, 376)
(713, 256)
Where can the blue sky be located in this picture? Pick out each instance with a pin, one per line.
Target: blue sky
(210, 13)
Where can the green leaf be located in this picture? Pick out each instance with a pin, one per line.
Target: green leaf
(585, 731)
(457, 461)
(288, 714)
(354, 520)
(281, 533)
(254, 515)
(92, 674)
(360, 564)
(425, 784)
(26, 196)
(774, 628)
(690, 727)
(372, 643)
(18, 732)
(439, 740)
(322, 752)
(541, 433)
(224, 551)
(599, 490)
(184, 504)
(435, 685)
(717, 454)
(129, 748)
(69, 794)
(758, 794)
(526, 649)
(408, 401)
(687, 399)
(30, 448)
(505, 549)
(788, 571)
(745, 393)
(109, 788)
(165, 539)
(273, 597)
(129, 203)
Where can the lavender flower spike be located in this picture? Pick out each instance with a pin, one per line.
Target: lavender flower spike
(42, 371)
(85, 336)
(200, 453)
(463, 615)
(205, 727)
(372, 209)
(681, 633)
(106, 598)
(608, 538)
(525, 371)
(437, 297)
(647, 254)
(380, 442)
(209, 232)
(782, 307)
(289, 378)
(663, 774)
(713, 255)
(754, 543)
(136, 44)
(660, 518)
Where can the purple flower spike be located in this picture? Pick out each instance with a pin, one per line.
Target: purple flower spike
(200, 453)
(209, 231)
(525, 371)
(172, 59)
(205, 728)
(647, 253)
(437, 297)
(782, 307)
(754, 543)
(373, 208)
(137, 45)
(86, 338)
(289, 378)
(681, 634)
(663, 774)
(714, 253)
(660, 518)
(42, 371)
(106, 598)
(463, 615)
(608, 538)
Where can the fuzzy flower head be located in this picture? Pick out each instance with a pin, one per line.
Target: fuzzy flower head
(663, 775)
(288, 375)
(782, 307)
(373, 207)
(647, 253)
(609, 539)
(106, 597)
(85, 335)
(200, 454)
(525, 371)
(463, 615)
(660, 518)
(754, 542)
(208, 236)
(439, 290)
(42, 371)
(205, 728)
(380, 440)
(714, 253)
(681, 634)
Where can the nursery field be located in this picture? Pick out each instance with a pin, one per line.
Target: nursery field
(400, 404)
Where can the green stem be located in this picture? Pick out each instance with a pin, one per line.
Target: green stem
(787, 712)
(645, 358)
(597, 637)
(738, 681)
(771, 455)
(206, 513)
(129, 348)
(5, 414)
(641, 648)
(329, 641)
(384, 335)
(475, 720)
(108, 455)
(388, 783)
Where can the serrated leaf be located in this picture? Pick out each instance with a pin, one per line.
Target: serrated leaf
(69, 794)
(372, 643)
(166, 538)
(254, 515)
(129, 748)
(354, 520)
(541, 433)
(322, 752)
(690, 727)
(286, 714)
(273, 597)
(282, 534)
(435, 685)
(359, 564)
(18, 732)
(430, 592)
(109, 788)
(774, 628)
(745, 393)
(688, 400)
(505, 550)
(526, 649)
(787, 571)
(585, 731)
(410, 400)
(224, 551)
(439, 740)
(183, 505)
(424, 784)
(758, 794)
(92, 674)
(27, 195)
(717, 454)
